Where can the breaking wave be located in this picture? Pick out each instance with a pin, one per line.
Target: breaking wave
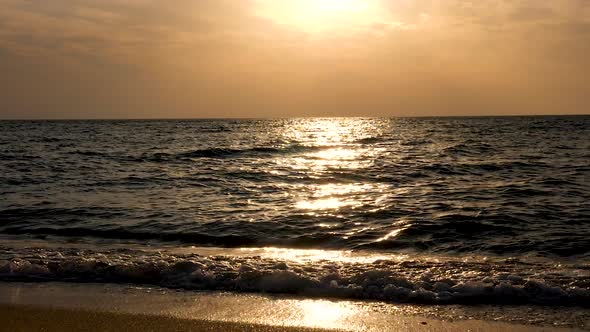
(425, 281)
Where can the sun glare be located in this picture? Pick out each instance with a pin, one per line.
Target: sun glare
(314, 16)
(341, 5)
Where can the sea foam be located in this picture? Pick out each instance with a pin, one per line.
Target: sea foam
(506, 281)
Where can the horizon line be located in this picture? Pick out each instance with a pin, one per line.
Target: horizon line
(297, 117)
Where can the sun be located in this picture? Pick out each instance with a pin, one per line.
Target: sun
(317, 16)
(341, 5)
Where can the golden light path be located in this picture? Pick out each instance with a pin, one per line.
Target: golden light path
(336, 150)
(335, 145)
(315, 16)
(314, 255)
(339, 151)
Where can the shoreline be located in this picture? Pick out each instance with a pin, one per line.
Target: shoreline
(106, 307)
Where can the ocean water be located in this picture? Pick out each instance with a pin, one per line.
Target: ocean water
(414, 210)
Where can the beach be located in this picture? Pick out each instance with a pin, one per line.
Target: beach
(70, 307)
(294, 165)
(19, 318)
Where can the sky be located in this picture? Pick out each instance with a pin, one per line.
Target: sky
(281, 58)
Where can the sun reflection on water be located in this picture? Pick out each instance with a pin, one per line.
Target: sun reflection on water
(319, 132)
(336, 196)
(322, 204)
(338, 159)
(333, 158)
(400, 227)
(313, 255)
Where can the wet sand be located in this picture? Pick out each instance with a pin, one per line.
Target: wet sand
(71, 307)
(32, 319)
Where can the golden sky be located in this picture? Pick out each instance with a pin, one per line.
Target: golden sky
(279, 58)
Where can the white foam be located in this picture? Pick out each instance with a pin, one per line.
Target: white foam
(400, 281)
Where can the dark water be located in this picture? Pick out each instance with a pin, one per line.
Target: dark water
(507, 188)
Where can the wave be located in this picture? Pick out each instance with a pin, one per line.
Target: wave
(223, 153)
(18, 157)
(486, 167)
(254, 151)
(371, 140)
(450, 232)
(218, 129)
(193, 238)
(508, 281)
(229, 241)
(469, 148)
(89, 153)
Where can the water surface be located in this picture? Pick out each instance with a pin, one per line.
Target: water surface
(512, 190)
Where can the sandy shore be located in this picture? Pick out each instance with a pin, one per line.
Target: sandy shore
(73, 307)
(33, 319)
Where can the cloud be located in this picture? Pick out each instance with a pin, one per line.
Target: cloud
(219, 58)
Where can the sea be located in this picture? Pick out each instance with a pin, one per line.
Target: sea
(429, 211)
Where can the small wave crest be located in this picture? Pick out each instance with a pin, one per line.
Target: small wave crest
(506, 281)
(221, 153)
(213, 153)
